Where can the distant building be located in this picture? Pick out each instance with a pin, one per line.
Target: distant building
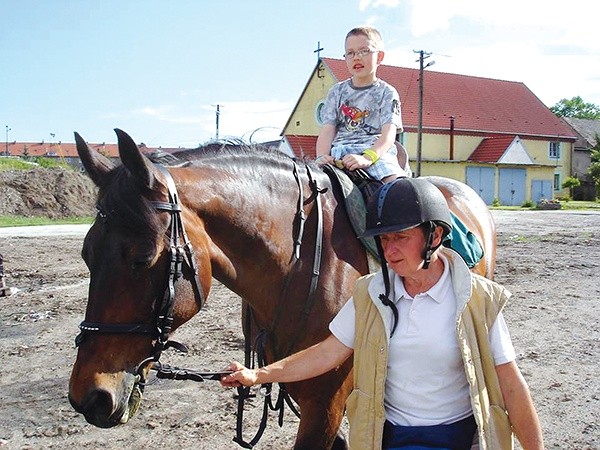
(494, 135)
(588, 132)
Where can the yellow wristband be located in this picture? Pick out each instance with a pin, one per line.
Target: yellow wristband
(371, 154)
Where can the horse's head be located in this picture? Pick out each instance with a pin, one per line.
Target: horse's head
(144, 282)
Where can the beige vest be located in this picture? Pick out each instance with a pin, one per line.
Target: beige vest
(477, 312)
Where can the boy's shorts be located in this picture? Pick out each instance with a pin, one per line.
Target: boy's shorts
(385, 166)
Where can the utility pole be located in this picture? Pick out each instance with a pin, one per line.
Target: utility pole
(6, 149)
(218, 113)
(423, 55)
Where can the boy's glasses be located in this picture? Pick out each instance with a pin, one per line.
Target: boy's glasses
(359, 54)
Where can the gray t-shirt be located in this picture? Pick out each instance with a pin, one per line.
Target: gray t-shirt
(359, 113)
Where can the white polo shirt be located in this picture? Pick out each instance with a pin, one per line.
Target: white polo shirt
(426, 382)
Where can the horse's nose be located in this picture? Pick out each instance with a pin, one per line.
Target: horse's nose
(97, 408)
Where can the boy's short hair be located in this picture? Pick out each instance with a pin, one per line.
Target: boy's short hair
(372, 35)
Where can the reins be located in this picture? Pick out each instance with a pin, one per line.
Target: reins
(256, 357)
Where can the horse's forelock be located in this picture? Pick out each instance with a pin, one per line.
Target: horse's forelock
(122, 200)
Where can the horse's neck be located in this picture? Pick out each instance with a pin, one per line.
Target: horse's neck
(249, 221)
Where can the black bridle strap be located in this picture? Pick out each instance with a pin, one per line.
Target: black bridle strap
(162, 328)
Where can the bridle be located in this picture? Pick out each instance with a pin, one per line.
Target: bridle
(180, 250)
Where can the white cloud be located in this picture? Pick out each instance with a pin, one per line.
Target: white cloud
(260, 120)
(363, 5)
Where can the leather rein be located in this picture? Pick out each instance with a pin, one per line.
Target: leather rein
(256, 356)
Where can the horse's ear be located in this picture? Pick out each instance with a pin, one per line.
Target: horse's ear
(136, 163)
(96, 165)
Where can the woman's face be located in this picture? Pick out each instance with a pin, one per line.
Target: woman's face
(404, 250)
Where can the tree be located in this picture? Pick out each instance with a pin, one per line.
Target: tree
(576, 108)
(594, 168)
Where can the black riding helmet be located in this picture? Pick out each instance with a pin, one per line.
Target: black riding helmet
(406, 203)
(400, 205)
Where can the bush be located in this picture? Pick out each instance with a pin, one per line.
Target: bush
(570, 183)
(52, 163)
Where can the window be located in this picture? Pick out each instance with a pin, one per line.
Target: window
(554, 150)
(318, 109)
(556, 182)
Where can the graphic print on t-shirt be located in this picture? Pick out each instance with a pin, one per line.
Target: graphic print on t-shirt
(353, 117)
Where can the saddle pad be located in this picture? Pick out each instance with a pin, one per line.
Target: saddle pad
(355, 206)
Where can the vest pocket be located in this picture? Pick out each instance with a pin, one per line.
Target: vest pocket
(360, 412)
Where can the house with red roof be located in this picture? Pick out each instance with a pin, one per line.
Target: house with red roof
(67, 151)
(494, 135)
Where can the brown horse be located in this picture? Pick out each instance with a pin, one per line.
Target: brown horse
(241, 213)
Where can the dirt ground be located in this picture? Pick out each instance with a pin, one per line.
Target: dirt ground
(550, 260)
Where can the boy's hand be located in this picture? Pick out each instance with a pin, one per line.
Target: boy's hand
(324, 159)
(353, 162)
(241, 376)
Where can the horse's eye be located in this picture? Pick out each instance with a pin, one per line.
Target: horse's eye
(141, 264)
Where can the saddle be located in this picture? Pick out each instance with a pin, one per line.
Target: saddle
(355, 192)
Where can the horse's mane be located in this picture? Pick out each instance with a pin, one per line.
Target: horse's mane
(122, 198)
(214, 151)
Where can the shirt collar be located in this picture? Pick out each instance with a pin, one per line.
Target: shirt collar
(438, 292)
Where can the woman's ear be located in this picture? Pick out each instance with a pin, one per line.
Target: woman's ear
(438, 236)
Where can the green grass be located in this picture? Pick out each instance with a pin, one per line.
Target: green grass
(18, 221)
(570, 205)
(31, 163)
(16, 164)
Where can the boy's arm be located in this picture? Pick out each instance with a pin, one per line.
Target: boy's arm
(371, 155)
(308, 363)
(386, 140)
(324, 141)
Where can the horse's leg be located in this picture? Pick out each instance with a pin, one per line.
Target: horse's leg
(322, 410)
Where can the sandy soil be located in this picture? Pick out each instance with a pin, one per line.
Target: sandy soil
(548, 259)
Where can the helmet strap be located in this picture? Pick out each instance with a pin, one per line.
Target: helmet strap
(429, 245)
(385, 298)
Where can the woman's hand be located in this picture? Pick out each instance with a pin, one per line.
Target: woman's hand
(241, 376)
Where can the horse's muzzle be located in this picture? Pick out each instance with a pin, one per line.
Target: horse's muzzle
(106, 409)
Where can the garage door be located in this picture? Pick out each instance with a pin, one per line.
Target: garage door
(541, 189)
(511, 186)
(482, 180)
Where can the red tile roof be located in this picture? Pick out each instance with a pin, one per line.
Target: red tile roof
(59, 149)
(479, 105)
(491, 149)
(303, 146)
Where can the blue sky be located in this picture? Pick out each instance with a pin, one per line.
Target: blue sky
(157, 69)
